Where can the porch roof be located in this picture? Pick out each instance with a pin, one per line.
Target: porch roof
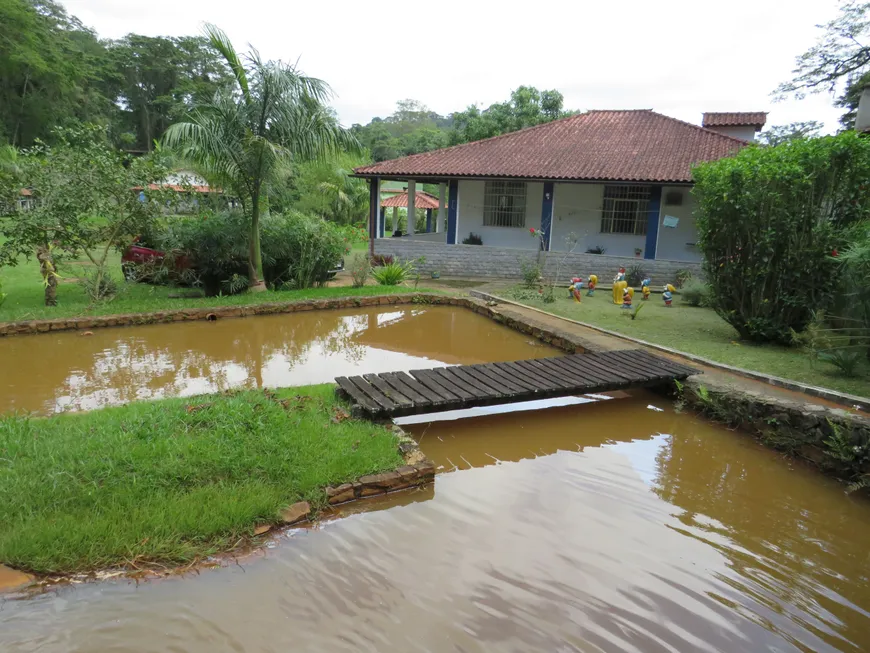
(422, 200)
(625, 145)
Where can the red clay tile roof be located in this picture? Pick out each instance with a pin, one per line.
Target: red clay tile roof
(638, 145)
(422, 200)
(735, 119)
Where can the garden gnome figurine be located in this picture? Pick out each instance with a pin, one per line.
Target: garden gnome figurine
(667, 295)
(644, 287)
(576, 286)
(627, 294)
(619, 284)
(593, 281)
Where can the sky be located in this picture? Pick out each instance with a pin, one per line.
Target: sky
(678, 57)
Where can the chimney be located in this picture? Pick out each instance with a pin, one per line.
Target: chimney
(737, 124)
(862, 117)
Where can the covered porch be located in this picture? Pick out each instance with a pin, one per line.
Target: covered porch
(631, 220)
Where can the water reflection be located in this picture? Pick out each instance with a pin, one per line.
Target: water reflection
(55, 372)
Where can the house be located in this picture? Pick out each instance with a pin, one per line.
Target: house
(619, 181)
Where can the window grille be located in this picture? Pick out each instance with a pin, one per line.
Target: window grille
(504, 204)
(625, 210)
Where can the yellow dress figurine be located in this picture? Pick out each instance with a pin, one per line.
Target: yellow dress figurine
(619, 284)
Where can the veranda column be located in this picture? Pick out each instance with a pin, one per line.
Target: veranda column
(442, 203)
(412, 205)
(374, 211)
(395, 219)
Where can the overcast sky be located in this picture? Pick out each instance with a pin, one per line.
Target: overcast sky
(679, 57)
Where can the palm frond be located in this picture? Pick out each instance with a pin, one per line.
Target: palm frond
(219, 40)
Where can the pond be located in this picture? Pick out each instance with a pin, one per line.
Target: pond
(611, 524)
(54, 372)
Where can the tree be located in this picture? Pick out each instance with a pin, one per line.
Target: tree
(778, 134)
(246, 134)
(87, 202)
(160, 80)
(839, 61)
(325, 188)
(52, 71)
(770, 222)
(527, 107)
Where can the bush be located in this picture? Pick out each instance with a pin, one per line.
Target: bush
(473, 239)
(392, 274)
(696, 293)
(98, 286)
(3, 295)
(298, 250)
(598, 249)
(360, 269)
(634, 275)
(531, 272)
(769, 220)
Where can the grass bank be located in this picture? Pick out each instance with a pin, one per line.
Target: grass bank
(25, 301)
(696, 331)
(171, 481)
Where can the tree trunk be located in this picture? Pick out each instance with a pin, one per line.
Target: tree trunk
(49, 275)
(255, 258)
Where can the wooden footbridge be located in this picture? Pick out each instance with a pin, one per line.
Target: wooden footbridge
(396, 394)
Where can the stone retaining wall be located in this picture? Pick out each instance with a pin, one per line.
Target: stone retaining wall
(833, 439)
(504, 315)
(502, 262)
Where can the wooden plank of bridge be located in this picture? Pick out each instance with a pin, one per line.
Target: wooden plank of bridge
(465, 386)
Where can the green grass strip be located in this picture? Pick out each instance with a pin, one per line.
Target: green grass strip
(171, 481)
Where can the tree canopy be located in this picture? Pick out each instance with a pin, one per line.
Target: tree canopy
(413, 128)
(839, 62)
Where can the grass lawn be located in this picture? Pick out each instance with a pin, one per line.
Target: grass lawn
(170, 481)
(25, 301)
(697, 331)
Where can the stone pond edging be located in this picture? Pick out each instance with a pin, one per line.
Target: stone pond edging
(563, 340)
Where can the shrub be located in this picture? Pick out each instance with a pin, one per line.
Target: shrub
(3, 295)
(847, 360)
(298, 250)
(769, 220)
(360, 269)
(473, 239)
(598, 249)
(98, 285)
(381, 259)
(634, 275)
(682, 277)
(531, 272)
(696, 293)
(392, 274)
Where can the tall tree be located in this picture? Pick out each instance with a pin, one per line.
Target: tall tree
(838, 62)
(247, 134)
(51, 71)
(526, 107)
(161, 79)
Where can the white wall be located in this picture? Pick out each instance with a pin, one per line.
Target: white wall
(577, 208)
(746, 133)
(471, 217)
(672, 242)
(185, 177)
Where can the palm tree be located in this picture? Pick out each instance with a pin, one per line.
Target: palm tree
(249, 132)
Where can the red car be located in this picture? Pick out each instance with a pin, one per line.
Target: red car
(137, 259)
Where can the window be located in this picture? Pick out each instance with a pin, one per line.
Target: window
(625, 210)
(504, 204)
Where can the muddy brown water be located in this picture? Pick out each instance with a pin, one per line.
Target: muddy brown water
(49, 373)
(611, 525)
